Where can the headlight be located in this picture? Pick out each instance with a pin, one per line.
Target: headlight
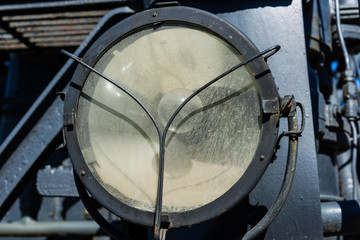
(217, 147)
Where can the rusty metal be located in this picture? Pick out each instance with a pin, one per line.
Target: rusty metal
(54, 22)
(59, 39)
(12, 46)
(63, 15)
(59, 44)
(96, 13)
(56, 33)
(54, 18)
(6, 36)
(8, 41)
(7, 28)
(56, 28)
(58, 6)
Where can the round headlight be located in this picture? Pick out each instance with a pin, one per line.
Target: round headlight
(217, 147)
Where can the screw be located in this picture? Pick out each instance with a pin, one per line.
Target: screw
(82, 173)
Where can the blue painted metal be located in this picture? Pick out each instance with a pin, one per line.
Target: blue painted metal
(39, 131)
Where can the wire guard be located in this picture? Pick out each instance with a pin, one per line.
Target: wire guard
(158, 233)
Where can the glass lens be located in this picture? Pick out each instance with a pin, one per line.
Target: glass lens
(210, 143)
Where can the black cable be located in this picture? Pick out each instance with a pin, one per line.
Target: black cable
(276, 207)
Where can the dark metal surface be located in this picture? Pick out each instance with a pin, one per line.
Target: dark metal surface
(29, 155)
(300, 217)
(39, 131)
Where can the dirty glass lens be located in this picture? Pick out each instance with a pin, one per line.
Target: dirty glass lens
(210, 143)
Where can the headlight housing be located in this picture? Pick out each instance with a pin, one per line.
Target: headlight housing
(217, 148)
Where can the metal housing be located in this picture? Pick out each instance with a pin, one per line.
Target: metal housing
(267, 91)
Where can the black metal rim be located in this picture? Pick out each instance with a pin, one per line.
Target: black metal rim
(269, 129)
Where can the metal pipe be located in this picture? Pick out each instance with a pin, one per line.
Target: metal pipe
(354, 160)
(330, 198)
(341, 37)
(356, 65)
(286, 184)
(341, 218)
(30, 227)
(345, 174)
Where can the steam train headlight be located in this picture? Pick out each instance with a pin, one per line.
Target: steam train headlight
(217, 147)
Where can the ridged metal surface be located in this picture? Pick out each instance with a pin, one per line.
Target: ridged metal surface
(50, 24)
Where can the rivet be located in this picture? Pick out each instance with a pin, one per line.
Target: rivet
(262, 157)
(154, 14)
(82, 173)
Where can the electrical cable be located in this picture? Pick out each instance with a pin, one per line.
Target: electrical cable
(276, 207)
(341, 37)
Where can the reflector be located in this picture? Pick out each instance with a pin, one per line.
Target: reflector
(217, 147)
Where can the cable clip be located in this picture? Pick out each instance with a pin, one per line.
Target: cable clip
(288, 109)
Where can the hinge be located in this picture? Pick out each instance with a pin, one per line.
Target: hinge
(271, 106)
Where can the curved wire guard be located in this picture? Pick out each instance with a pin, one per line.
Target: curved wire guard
(162, 136)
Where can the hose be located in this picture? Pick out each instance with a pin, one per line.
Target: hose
(285, 187)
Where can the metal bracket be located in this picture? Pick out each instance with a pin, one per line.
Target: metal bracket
(61, 95)
(271, 106)
(68, 123)
(288, 105)
(160, 4)
(69, 119)
(298, 133)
